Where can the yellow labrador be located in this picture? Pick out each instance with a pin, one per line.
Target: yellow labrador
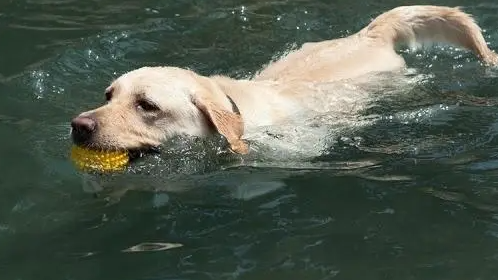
(151, 104)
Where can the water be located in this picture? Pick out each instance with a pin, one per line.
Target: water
(410, 193)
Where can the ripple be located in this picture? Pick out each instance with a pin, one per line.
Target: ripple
(152, 246)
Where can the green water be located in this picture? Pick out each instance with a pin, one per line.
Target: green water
(413, 195)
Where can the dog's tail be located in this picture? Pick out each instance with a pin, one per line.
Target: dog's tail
(415, 25)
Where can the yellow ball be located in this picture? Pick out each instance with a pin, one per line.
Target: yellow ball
(104, 161)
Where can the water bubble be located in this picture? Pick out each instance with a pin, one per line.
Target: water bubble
(39, 82)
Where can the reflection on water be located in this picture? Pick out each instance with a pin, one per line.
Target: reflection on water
(405, 189)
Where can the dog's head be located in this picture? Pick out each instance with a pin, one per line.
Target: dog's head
(147, 106)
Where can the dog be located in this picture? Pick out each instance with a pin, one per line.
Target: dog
(149, 105)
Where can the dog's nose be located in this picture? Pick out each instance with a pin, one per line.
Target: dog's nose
(83, 128)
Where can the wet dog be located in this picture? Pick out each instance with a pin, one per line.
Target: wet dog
(149, 105)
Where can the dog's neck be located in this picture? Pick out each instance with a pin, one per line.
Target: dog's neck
(249, 94)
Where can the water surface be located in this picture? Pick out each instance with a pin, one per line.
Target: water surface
(411, 195)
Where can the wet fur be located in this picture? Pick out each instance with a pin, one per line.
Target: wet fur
(291, 87)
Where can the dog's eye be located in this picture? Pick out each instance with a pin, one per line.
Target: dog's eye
(108, 93)
(147, 106)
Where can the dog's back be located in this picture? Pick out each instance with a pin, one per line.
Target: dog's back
(372, 49)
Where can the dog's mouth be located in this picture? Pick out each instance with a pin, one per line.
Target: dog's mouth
(137, 153)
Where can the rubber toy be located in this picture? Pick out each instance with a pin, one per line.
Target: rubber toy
(95, 160)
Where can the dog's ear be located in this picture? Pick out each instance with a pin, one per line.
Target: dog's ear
(227, 123)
